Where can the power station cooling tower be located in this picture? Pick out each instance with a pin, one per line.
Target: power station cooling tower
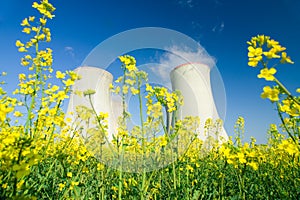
(193, 81)
(99, 80)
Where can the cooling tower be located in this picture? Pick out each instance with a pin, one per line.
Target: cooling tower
(98, 80)
(193, 81)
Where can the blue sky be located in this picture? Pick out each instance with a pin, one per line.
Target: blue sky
(222, 27)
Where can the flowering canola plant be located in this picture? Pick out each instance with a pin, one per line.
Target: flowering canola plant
(262, 51)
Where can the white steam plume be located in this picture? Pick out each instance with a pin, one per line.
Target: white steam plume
(181, 55)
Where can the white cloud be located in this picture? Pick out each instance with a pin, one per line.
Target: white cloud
(196, 25)
(186, 3)
(69, 51)
(195, 3)
(219, 27)
(181, 55)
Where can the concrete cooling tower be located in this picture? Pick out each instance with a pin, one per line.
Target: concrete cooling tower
(98, 80)
(193, 81)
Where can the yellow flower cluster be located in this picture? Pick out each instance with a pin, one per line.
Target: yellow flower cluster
(238, 157)
(131, 79)
(45, 8)
(290, 107)
(169, 100)
(262, 45)
(129, 62)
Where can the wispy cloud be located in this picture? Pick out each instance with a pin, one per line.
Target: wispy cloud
(186, 3)
(181, 55)
(196, 25)
(197, 3)
(69, 51)
(219, 27)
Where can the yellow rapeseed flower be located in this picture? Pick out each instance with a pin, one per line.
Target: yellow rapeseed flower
(254, 52)
(267, 74)
(103, 115)
(272, 53)
(131, 68)
(278, 48)
(253, 62)
(285, 58)
(4, 110)
(19, 43)
(290, 107)
(149, 88)
(54, 88)
(31, 18)
(288, 146)
(128, 81)
(4, 185)
(22, 77)
(163, 141)
(35, 29)
(127, 59)
(253, 165)
(125, 89)
(18, 114)
(134, 91)
(20, 184)
(45, 8)
(25, 22)
(68, 82)
(100, 166)
(26, 30)
(261, 39)
(43, 21)
(22, 49)
(241, 157)
(61, 186)
(73, 75)
(41, 37)
(24, 62)
(69, 174)
(271, 43)
(189, 168)
(157, 110)
(255, 55)
(270, 93)
(88, 92)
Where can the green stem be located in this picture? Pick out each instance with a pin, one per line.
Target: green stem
(187, 184)
(100, 125)
(163, 125)
(142, 191)
(286, 91)
(143, 137)
(284, 125)
(37, 72)
(174, 175)
(123, 97)
(120, 186)
(140, 104)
